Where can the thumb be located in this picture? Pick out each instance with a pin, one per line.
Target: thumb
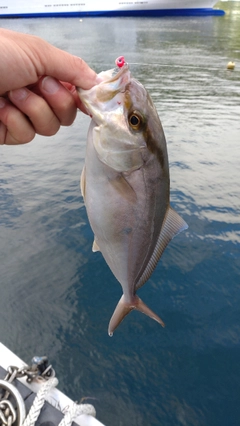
(25, 58)
(66, 67)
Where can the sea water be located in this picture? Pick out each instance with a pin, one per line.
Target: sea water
(56, 296)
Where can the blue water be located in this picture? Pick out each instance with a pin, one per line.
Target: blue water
(57, 296)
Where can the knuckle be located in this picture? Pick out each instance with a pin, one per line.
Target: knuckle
(14, 127)
(68, 119)
(23, 137)
(3, 132)
(49, 128)
(29, 137)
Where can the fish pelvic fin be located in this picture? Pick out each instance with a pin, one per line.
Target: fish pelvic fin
(83, 182)
(173, 224)
(123, 308)
(95, 246)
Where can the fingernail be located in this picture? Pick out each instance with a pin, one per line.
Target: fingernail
(18, 94)
(50, 85)
(2, 102)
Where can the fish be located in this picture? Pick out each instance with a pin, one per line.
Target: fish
(125, 184)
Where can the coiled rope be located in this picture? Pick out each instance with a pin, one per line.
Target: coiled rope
(74, 411)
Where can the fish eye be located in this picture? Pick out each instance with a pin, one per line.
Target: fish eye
(135, 120)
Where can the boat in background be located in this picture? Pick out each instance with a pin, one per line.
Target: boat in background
(153, 8)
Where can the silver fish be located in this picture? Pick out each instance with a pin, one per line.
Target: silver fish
(125, 184)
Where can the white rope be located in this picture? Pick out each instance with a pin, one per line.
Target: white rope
(39, 401)
(76, 410)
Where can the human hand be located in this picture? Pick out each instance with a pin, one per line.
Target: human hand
(37, 87)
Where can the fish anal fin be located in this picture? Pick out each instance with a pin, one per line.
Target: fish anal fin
(173, 224)
(83, 182)
(123, 308)
(95, 246)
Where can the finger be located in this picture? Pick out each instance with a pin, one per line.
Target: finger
(60, 99)
(15, 127)
(37, 109)
(77, 71)
(75, 94)
(3, 132)
(72, 89)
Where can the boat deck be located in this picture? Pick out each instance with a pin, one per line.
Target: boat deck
(57, 403)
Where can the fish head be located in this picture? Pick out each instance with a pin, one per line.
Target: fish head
(127, 127)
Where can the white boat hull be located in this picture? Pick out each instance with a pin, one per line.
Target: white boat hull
(24, 8)
(55, 397)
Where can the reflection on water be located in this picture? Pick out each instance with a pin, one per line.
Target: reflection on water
(57, 297)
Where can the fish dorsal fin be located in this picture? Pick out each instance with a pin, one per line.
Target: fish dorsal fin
(83, 182)
(95, 246)
(173, 224)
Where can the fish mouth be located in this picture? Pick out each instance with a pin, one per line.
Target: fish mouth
(113, 74)
(102, 96)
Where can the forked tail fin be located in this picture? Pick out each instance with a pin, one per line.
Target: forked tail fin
(123, 308)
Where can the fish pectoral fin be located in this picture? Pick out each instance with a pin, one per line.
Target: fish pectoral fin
(123, 308)
(83, 182)
(124, 188)
(95, 246)
(173, 224)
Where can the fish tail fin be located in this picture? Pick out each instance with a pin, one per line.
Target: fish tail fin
(123, 308)
(142, 307)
